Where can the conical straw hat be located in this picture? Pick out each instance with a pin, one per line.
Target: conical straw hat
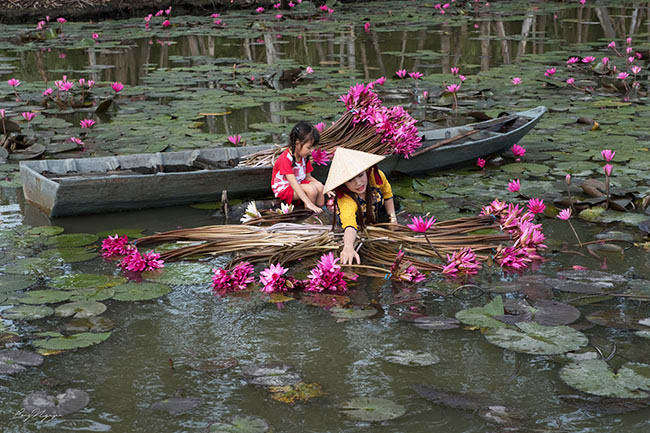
(348, 163)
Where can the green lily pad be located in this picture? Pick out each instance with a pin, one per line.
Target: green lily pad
(35, 266)
(45, 231)
(72, 240)
(299, 392)
(89, 324)
(372, 409)
(594, 376)
(522, 167)
(177, 405)
(13, 361)
(412, 358)
(610, 216)
(80, 309)
(36, 297)
(10, 283)
(70, 255)
(130, 233)
(27, 312)
(483, 317)
(240, 424)
(74, 341)
(537, 339)
(181, 273)
(84, 281)
(101, 294)
(352, 313)
(140, 291)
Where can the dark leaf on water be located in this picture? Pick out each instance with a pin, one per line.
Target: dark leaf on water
(645, 227)
(577, 286)
(70, 401)
(605, 405)
(454, 400)
(177, 405)
(372, 409)
(14, 361)
(594, 276)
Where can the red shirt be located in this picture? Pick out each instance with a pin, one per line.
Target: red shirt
(283, 166)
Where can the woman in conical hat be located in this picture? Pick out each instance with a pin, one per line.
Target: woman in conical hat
(363, 195)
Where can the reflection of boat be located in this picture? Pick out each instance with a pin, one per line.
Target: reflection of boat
(108, 184)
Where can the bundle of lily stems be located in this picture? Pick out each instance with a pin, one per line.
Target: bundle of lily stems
(289, 242)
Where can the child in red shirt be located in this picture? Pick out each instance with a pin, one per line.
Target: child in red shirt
(291, 178)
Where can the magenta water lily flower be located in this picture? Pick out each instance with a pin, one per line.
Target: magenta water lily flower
(136, 262)
(166, 23)
(259, 10)
(572, 60)
(454, 71)
(605, 60)
(518, 151)
(622, 75)
(309, 70)
(514, 185)
(28, 115)
(611, 45)
(234, 280)
(536, 205)
(87, 123)
(565, 214)
(570, 81)
(588, 59)
(327, 275)
(401, 73)
(607, 168)
(516, 81)
(480, 162)
(550, 72)
(116, 246)
(366, 27)
(79, 141)
(380, 81)
(608, 154)
(635, 69)
(278, 16)
(47, 92)
(421, 224)
(462, 78)
(61, 20)
(272, 279)
(117, 87)
(3, 113)
(235, 139)
(453, 88)
(13, 82)
(320, 157)
(462, 262)
(416, 75)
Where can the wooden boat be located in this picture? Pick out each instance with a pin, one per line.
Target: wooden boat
(117, 183)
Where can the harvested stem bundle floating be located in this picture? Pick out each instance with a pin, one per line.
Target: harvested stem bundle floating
(285, 243)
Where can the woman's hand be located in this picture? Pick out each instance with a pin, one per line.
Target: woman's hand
(348, 255)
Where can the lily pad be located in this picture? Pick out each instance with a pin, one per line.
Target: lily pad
(45, 231)
(545, 312)
(372, 409)
(483, 317)
(27, 312)
(436, 323)
(291, 394)
(74, 341)
(92, 295)
(451, 399)
(70, 255)
(36, 297)
(615, 319)
(241, 424)
(70, 401)
(80, 309)
(10, 284)
(140, 291)
(89, 324)
(72, 240)
(83, 281)
(14, 361)
(640, 288)
(412, 358)
(594, 376)
(536, 339)
(577, 286)
(271, 376)
(352, 313)
(177, 405)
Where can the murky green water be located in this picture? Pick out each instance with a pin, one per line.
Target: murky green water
(169, 85)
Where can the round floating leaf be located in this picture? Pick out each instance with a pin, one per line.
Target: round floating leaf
(483, 317)
(577, 286)
(537, 339)
(34, 266)
(412, 358)
(45, 231)
(545, 312)
(70, 255)
(177, 405)
(271, 376)
(80, 309)
(72, 240)
(130, 233)
(36, 297)
(72, 400)
(74, 341)
(640, 288)
(373, 409)
(27, 312)
(14, 361)
(291, 394)
(92, 295)
(352, 313)
(90, 324)
(241, 424)
(436, 323)
(84, 281)
(594, 376)
(615, 319)
(10, 284)
(140, 291)
(181, 273)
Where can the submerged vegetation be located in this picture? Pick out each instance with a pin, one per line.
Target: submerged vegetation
(559, 312)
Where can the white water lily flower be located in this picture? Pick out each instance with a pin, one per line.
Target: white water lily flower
(285, 208)
(250, 213)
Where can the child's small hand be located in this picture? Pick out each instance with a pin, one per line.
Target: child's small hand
(312, 207)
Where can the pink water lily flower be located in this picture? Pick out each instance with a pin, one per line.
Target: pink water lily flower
(635, 69)
(117, 87)
(95, 36)
(570, 81)
(278, 16)
(607, 168)
(366, 27)
(567, 179)
(622, 75)
(401, 73)
(236, 279)
(159, 13)
(380, 81)
(48, 91)
(462, 262)
(611, 45)
(61, 20)
(259, 10)
(13, 82)
(420, 224)
(309, 70)
(631, 59)
(516, 81)
(235, 139)
(628, 41)
(416, 75)
(453, 88)
(605, 60)
(3, 113)
(536, 205)
(87, 123)
(320, 157)
(166, 23)
(327, 275)
(116, 246)
(272, 279)
(320, 126)
(28, 115)
(480, 162)
(572, 60)
(77, 141)
(462, 78)
(608, 154)
(514, 185)
(588, 59)
(565, 214)
(518, 150)
(454, 71)
(549, 72)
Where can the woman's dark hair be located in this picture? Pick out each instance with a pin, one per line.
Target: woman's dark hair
(371, 218)
(302, 132)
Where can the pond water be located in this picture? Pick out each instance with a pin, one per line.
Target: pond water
(182, 92)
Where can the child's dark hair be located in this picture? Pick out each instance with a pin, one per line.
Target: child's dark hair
(302, 132)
